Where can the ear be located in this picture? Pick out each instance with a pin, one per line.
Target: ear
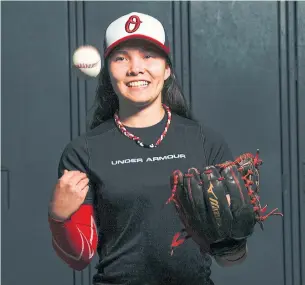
(167, 72)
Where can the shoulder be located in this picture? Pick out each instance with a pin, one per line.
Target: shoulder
(211, 137)
(101, 130)
(75, 154)
(214, 144)
(79, 145)
(207, 133)
(180, 121)
(76, 145)
(80, 142)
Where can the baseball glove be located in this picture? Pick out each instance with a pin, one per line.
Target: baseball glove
(219, 206)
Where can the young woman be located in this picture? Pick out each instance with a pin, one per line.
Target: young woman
(114, 180)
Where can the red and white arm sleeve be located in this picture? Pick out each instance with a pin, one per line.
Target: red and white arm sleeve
(75, 240)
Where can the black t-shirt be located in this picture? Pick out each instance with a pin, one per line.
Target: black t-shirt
(129, 186)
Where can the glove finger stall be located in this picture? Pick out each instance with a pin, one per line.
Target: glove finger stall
(241, 207)
(184, 204)
(177, 186)
(195, 191)
(217, 204)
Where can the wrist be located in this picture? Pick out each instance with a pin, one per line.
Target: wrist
(232, 258)
(236, 255)
(228, 247)
(56, 218)
(54, 215)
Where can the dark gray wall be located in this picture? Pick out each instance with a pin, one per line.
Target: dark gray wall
(242, 68)
(300, 102)
(35, 127)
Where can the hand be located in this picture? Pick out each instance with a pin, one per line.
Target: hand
(69, 194)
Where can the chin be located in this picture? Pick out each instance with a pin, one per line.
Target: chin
(143, 102)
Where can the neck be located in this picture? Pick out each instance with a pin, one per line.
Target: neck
(141, 117)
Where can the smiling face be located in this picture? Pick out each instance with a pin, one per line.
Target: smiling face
(137, 71)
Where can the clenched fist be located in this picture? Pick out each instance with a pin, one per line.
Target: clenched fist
(69, 194)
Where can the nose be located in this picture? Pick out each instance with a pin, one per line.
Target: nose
(136, 67)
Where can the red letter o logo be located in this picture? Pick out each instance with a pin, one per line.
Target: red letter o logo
(132, 20)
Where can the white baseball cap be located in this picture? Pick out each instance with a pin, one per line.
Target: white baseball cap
(135, 26)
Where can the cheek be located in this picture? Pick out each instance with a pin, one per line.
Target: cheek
(117, 74)
(117, 82)
(158, 71)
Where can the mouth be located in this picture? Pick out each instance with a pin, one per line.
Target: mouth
(138, 84)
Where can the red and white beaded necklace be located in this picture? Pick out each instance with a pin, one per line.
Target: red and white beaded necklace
(137, 139)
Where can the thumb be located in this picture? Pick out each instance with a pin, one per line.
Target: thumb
(65, 171)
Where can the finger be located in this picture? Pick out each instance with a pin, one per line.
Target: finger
(85, 190)
(76, 178)
(72, 173)
(82, 184)
(64, 174)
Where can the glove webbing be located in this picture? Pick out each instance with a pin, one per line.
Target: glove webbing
(254, 198)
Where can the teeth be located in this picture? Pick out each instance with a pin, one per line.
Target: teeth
(137, 83)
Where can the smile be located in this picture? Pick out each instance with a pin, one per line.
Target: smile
(140, 83)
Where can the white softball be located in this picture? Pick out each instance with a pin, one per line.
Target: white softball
(87, 59)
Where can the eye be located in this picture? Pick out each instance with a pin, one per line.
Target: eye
(149, 55)
(119, 58)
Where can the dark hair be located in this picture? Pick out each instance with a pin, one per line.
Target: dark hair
(107, 102)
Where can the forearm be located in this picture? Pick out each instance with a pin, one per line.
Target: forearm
(232, 259)
(75, 240)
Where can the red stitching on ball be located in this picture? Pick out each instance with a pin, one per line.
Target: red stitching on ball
(86, 65)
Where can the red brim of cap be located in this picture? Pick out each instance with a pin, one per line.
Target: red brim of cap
(139, 36)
